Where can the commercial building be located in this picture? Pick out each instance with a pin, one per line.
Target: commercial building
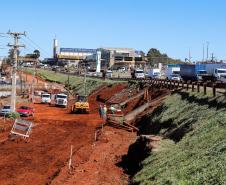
(74, 55)
(117, 57)
(107, 58)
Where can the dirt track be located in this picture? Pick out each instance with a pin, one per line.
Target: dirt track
(44, 159)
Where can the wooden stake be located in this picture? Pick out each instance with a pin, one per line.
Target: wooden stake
(70, 160)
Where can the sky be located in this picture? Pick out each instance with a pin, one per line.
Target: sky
(172, 26)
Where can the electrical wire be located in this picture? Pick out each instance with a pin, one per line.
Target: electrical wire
(29, 46)
(35, 44)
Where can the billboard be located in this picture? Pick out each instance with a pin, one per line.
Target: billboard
(78, 50)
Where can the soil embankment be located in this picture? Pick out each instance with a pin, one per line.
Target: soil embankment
(192, 150)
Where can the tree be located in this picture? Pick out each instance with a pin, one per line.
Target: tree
(36, 53)
(154, 57)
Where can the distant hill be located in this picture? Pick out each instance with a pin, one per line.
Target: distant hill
(154, 57)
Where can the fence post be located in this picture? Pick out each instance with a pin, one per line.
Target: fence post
(193, 86)
(187, 87)
(214, 89)
(204, 88)
(198, 87)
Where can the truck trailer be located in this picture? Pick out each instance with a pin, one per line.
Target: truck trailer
(203, 72)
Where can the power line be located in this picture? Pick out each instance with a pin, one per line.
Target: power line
(31, 48)
(35, 44)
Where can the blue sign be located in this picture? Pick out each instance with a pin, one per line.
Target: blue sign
(77, 50)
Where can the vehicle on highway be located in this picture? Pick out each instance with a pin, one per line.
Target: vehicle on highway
(25, 111)
(139, 73)
(109, 74)
(175, 77)
(203, 72)
(45, 98)
(5, 111)
(2, 82)
(61, 100)
(171, 72)
(154, 73)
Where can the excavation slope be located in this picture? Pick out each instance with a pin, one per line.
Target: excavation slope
(197, 126)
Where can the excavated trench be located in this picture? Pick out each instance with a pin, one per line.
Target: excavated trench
(142, 147)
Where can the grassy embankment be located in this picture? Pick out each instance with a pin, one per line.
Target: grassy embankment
(76, 83)
(197, 125)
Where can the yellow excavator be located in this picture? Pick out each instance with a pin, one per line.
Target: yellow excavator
(81, 105)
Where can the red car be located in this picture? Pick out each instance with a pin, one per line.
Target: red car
(25, 111)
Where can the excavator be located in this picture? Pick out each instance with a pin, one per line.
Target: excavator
(81, 105)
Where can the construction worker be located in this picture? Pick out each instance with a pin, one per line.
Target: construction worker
(105, 113)
(112, 109)
(100, 110)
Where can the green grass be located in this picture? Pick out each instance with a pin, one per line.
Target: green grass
(197, 158)
(76, 83)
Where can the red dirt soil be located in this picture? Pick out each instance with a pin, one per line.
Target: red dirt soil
(44, 158)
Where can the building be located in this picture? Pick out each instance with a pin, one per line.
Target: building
(117, 57)
(109, 58)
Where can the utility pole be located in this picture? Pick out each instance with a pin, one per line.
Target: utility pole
(203, 52)
(207, 51)
(189, 56)
(15, 46)
(212, 57)
(85, 81)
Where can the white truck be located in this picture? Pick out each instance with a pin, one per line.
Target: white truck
(173, 73)
(139, 73)
(216, 71)
(154, 73)
(61, 100)
(45, 98)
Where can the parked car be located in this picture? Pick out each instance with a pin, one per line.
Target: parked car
(3, 82)
(25, 111)
(109, 74)
(6, 109)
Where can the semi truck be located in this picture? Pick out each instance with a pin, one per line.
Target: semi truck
(173, 73)
(203, 72)
(154, 73)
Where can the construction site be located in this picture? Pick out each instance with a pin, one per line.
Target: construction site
(83, 148)
(44, 156)
(112, 93)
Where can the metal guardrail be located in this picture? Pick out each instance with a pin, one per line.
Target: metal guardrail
(218, 85)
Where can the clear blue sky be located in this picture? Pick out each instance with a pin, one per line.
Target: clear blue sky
(172, 26)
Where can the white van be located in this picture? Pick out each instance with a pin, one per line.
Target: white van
(139, 73)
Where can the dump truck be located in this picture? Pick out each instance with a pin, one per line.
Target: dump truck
(81, 105)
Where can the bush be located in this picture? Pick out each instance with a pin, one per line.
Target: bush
(13, 115)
